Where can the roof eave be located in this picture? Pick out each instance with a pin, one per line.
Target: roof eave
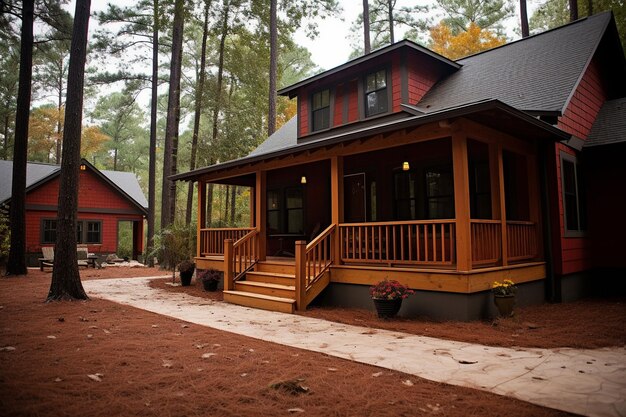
(464, 110)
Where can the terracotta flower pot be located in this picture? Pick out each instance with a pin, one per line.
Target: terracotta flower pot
(505, 304)
(387, 309)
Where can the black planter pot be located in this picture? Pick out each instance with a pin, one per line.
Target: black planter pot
(185, 278)
(210, 285)
(387, 309)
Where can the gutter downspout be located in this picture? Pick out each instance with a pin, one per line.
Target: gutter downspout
(552, 289)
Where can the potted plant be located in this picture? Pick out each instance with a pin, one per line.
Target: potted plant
(387, 296)
(209, 278)
(504, 296)
(186, 269)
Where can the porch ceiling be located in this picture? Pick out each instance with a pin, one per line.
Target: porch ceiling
(492, 113)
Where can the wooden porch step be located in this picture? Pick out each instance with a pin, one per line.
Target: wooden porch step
(264, 302)
(271, 277)
(265, 288)
(281, 267)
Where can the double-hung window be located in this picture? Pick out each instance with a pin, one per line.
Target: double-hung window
(285, 211)
(321, 110)
(573, 195)
(48, 231)
(376, 93)
(87, 231)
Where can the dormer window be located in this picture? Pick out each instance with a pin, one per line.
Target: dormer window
(321, 110)
(376, 93)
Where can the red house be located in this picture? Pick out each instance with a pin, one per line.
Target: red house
(105, 198)
(444, 175)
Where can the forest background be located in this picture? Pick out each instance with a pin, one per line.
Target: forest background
(225, 76)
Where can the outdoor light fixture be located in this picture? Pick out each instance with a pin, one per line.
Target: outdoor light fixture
(405, 166)
(303, 180)
(83, 167)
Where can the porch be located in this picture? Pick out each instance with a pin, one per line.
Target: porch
(449, 207)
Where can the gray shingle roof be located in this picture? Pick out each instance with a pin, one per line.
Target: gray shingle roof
(36, 172)
(281, 139)
(534, 74)
(610, 125)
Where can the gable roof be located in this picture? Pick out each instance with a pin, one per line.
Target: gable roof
(536, 74)
(610, 125)
(406, 44)
(533, 76)
(39, 173)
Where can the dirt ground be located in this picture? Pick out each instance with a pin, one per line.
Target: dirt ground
(591, 323)
(98, 358)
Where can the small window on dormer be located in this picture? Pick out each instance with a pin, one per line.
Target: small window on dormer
(376, 93)
(321, 110)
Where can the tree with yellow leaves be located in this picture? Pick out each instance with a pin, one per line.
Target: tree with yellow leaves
(465, 43)
(43, 135)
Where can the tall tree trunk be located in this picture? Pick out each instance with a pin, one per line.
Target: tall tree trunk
(59, 106)
(524, 18)
(173, 102)
(153, 133)
(66, 283)
(589, 7)
(17, 253)
(7, 120)
(220, 78)
(367, 47)
(391, 37)
(198, 109)
(271, 113)
(225, 190)
(233, 208)
(115, 159)
(573, 10)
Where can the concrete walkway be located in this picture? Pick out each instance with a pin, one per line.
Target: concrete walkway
(587, 382)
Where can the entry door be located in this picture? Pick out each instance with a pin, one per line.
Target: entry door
(354, 198)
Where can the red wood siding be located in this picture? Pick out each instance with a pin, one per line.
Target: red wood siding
(575, 253)
(94, 193)
(421, 78)
(353, 101)
(303, 113)
(338, 112)
(585, 104)
(396, 84)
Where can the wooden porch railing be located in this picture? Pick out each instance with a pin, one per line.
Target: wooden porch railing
(212, 240)
(521, 240)
(428, 242)
(312, 262)
(486, 241)
(240, 257)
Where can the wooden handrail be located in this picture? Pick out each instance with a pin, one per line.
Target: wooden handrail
(240, 257)
(212, 239)
(411, 242)
(312, 262)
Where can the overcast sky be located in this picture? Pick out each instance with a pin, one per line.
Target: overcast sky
(333, 46)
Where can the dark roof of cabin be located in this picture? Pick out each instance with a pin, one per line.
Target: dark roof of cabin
(403, 44)
(610, 125)
(534, 75)
(490, 112)
(538, 73)
(37, 173)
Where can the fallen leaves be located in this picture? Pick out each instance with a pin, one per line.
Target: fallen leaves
(7, 349)
(293, 387)
(95, 377)
(408, 383)
(208, 355)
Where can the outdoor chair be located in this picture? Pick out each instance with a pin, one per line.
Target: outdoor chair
(48, 257)
(82, 254)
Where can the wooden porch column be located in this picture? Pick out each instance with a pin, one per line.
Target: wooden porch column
(461, 201)
(502, 214)
(336, 192)
(534, 198)
(261, 212)
(498, 205)
(201, 215)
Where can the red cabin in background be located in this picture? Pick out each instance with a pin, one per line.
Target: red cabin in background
(105, 200)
